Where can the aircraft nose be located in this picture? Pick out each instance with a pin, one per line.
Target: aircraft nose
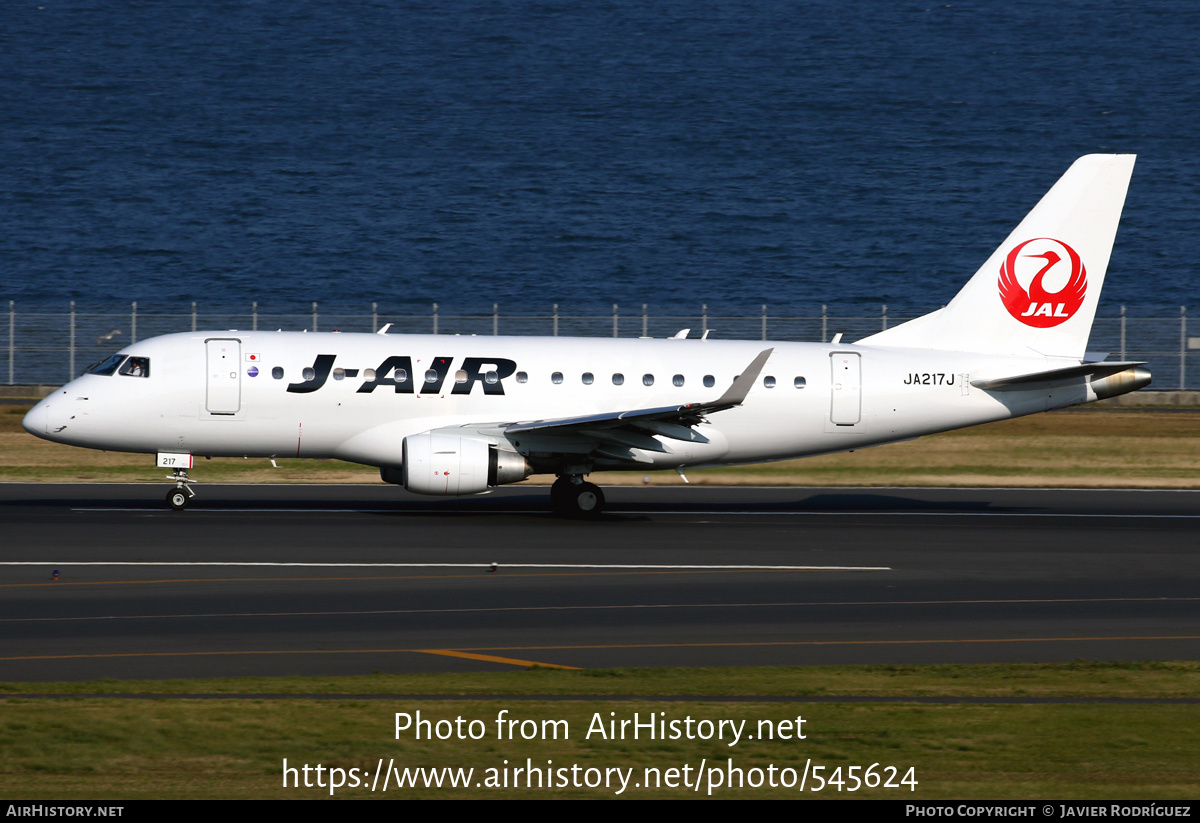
(37, 420)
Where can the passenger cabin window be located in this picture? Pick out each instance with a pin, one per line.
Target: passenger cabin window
(460, 376)
(556, 378)
(522, 377)
(618, 379)
(800, 382)
(647, 380)
(308, 374)
(277, 372)
(769, 382)
(588, 378)
(709, 381)
(105, 367)
(368, 375)
(339, 373)
(491, 378)
(677, 380)
(431, 376)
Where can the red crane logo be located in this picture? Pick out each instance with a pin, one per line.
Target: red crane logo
(1039, 306)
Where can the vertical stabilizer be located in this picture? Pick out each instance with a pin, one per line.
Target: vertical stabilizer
(1037, 294)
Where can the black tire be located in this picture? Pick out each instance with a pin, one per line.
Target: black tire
(587, 501)
(560, 496)
(178, 499)
(580, 500)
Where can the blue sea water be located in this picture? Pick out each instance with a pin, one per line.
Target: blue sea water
(727, 152)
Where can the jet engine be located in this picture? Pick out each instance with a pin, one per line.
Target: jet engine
(451, 464)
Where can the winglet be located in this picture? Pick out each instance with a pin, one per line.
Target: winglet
(736, 393)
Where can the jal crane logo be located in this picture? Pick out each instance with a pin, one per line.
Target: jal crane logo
(1056, 277)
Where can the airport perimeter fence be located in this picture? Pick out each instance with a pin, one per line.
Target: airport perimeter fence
(53, 347)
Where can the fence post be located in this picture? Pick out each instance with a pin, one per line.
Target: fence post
(824, 324)
(615, 318)
(764, 321)
(71, 360)
(703, 319)
(645, 322)
(193, 315)
(12, 317)
(495, 319)
(1182, 347)
(884, 316)
(435, 318)
(556, 320)
(1122, 331)
(133, 323)
(254, 316)
(314, 315)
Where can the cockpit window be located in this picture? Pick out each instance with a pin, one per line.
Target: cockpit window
(105, 367)
(136, 367)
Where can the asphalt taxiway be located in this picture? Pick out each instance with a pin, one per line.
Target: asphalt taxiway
(265, 580)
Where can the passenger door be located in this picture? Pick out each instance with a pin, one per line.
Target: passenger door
(224, 394)
(845, 405)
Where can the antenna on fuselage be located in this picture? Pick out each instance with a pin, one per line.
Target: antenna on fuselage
(385, 328)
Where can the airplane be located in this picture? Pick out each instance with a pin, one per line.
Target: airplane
(453, 415)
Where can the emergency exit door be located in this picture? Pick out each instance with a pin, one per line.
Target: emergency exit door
(224, 394)
(845, 405)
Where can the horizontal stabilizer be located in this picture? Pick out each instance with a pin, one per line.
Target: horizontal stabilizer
(1036, 379)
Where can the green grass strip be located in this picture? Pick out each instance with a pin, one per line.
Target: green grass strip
(179, 747)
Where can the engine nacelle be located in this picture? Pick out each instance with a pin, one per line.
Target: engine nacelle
(450, 464)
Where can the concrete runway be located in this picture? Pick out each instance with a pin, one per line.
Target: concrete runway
(670, 576)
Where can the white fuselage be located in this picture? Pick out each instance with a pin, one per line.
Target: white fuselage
(247, 394)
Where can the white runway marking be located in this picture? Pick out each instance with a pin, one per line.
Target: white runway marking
(611, 510)
(612, 607)
(735, 567)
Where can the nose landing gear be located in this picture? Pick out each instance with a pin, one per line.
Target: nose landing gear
(182, 494)
(178, 463)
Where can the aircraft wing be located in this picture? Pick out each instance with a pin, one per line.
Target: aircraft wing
(615, 434)
(686, 415)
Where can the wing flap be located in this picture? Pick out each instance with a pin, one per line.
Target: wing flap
(626, 437)
(673, 431)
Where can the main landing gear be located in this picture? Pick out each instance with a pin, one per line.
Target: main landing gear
(182, 494)
(572, 496)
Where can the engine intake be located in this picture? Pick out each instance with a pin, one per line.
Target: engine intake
(450, 464)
